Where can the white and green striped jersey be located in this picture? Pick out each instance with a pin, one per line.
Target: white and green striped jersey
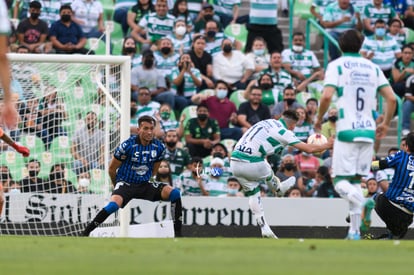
(225, 6)
(333, 13)
(280, 80)
(304, 62)
(302, 132)
(50, 10)
(157, 27)
(184, 44)
(360, 4)
(386, 13)
(190, 88)
(357, 81)
(263, 12)
(148, 110)
(165, 65)
(124, 4)
(265, 138)
(194, 6)
(216, 187)
(214, 47)
(322, 4)
(384, 50)
(400, 38)
(5, 27)
(189, 185)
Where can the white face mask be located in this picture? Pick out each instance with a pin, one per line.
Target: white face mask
(180, 30)
(84, 182)
(14, 191)
(297, 49)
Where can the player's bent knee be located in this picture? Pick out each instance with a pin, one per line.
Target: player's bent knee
(111, 207)
(174, 195)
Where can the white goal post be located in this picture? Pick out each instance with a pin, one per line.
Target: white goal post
(55, 95)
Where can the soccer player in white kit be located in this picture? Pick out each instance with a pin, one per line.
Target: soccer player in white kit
(9, 113)
(249, 165)
(356, 81)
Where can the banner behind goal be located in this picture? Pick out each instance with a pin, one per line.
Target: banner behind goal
(74, 111)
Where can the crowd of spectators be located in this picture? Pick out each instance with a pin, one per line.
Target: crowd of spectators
(205, 88)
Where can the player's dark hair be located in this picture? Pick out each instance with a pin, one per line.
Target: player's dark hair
(410, 142)
(148, 119)
(350, 41)
(290, 115)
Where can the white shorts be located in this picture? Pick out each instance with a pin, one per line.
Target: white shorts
(250, 174)
(4, 19)
(352, 158)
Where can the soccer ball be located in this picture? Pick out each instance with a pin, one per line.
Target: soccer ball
(317, 139)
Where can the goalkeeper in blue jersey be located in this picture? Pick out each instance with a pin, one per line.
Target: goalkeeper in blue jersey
(133, 165)
(396, 206)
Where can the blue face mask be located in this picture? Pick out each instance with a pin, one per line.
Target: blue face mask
(221, 93)
(380, 32)
(232, 192)
(216, 171)
(258, 52)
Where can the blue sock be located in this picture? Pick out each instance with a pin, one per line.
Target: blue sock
(174, 195)
(111, 207)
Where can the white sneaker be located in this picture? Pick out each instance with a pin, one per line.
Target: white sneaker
(268, 233)
(286, 185)
(273, 184)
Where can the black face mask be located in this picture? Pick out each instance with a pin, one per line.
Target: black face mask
(65, 18)
(202, 117)
(227, 48)
(130, 50)
(211, 34)
(4, 176)
(90, 126)
(57, 176)
(218, 155)
(289, 101)
(148, 63)
(333, 118)
(171, 143)
(34, 15)
(163, 175)
(289, 166)
(33, 173)
(208, 17)
(266, 86)
(165, 50)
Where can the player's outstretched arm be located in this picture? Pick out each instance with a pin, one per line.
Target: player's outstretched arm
(391, 103)
(19, 148)
(313, 148)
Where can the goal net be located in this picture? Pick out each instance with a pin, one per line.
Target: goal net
(71, 120)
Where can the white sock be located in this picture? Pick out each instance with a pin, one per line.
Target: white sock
(355, 223)
(256, 207)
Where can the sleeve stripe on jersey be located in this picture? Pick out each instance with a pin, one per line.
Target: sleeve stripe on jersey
(339, 70)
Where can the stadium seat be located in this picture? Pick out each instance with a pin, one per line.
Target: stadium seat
(189, 112)
(35, 145)
(96, 45)
(409, 36)
(302, 9)
(98, 181)
(46, 162)
(117, 46)
(60, 149)
(208, 92)
(109, 8)
(229, 143)
(71, 176)
(115, 29)
(237, 97)
(16, 164)
(238, 32)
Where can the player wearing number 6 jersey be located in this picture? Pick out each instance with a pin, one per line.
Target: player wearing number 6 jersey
(356, 82)
(396, 206)
(249, 165)
(134, 163)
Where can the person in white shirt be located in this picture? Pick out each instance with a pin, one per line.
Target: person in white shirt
(232, 66)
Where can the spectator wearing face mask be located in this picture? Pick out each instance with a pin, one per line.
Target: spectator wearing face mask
(289, 103)
(221, 109)
(216, 182)
(288, 168)
(329, 127)
(32, 183)
(84, 181)
(180, 38)
(178, 158)
(206, 14)
(234, 189)
(57, 183)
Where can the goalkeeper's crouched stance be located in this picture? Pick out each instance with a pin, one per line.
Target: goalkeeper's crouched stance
(131, 170)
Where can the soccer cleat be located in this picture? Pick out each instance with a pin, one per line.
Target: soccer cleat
(267, 232)
(286, 185)
(366, 220)
(353, 237)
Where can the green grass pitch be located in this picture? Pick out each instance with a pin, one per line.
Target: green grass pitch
(69, 255)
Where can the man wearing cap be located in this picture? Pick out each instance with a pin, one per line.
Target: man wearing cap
(32, 32)
(205, 15)
(263, 22)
